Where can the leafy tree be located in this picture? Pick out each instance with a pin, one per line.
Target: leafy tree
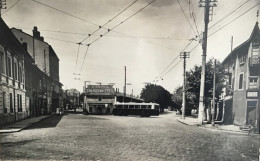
(193, 83)
(81, 97)
(157, 94)
(177, 98)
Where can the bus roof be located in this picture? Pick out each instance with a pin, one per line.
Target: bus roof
(135, 103)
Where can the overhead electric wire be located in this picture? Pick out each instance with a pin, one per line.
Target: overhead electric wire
(121, 23)
(225, 17)
(11, 7)
(172, 68)
(61, 40)
(234, 19)
(214, 33)
(186, 17)
(77, 57)
(193, 15)
(74, 16)
(84, 58)
(110, 20)
(175, 58)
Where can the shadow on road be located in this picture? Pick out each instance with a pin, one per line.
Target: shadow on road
(51, 121)
(17, 143)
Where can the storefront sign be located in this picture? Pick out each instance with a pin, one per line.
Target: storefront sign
(100, 90)
(252, 94)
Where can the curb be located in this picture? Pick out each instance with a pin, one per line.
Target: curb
(186, 123)
(217, 128)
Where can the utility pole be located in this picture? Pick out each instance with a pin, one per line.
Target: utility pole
(184, 55)
(214, 94)
(2, 4)
(208, 6)
(231, 43)
(124, 87)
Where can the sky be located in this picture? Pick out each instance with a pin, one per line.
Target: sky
(147, 42)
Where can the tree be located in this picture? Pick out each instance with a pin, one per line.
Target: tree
(81, 97)
(177, 98)
(193, 86)
(193, 83)
(156, 94)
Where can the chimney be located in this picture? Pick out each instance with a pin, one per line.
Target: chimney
(36, 33)
(24, 44)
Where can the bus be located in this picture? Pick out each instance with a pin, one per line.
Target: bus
(132, 108)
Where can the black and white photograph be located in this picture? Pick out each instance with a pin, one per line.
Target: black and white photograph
(130, 80)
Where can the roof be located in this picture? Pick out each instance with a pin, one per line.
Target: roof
(246, 44)
(53, 52)
(8, 39)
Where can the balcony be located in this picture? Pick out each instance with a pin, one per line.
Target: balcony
(254, 64)
(254, 61)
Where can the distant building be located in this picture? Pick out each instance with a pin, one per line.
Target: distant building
(100, 99)
(241, 96)
(72, 96)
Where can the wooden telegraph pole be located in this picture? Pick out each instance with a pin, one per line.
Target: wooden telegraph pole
(184, 55)
(208, 7)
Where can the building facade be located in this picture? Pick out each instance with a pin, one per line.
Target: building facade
(47, 61)
(29, 79)
(241, 95)
(12, 77)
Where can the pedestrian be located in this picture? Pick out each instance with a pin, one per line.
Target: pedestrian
(251, 127)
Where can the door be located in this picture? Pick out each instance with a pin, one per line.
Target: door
(251, 113)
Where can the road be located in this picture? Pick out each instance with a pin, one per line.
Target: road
(107, 137)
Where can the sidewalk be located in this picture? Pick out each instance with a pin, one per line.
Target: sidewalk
(20, 125)
(192, 121)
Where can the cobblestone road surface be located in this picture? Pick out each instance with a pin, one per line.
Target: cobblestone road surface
(80, 137)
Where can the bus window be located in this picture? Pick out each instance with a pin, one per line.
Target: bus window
(131, 106)
(119, 106)
(143, 106)
(148, 107)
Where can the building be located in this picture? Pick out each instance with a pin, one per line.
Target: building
(100, 99)
(13, 103)
(48, 62)
(72, 96)
(241, 95)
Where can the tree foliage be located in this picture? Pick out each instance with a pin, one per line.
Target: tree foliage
(156, 94)
(193, 85)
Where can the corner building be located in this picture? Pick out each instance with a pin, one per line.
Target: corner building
(241, 96)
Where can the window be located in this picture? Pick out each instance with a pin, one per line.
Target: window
(21, 104)
(255, 51)
(11, 102)
(4, 102)
(9, 66)
(253, 81)
(242, 59)
(15, 70)
(240, 81)
(99, 98)
(18, 102)
(2, 60)
(20, 73)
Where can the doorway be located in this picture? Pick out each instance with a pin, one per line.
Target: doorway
(251, 113)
